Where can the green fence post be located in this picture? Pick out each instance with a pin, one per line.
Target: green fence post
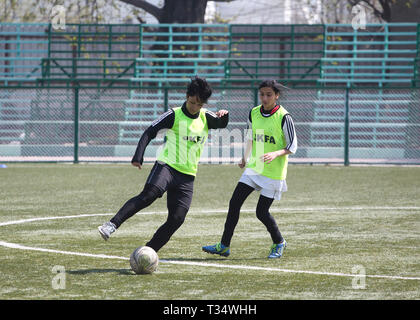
(140, 41)
(416, 76)
(255, 95)
(76, 125)
(346, 130)
(292, 48)
(110, 41)
(49, 51)
(165, 98)
(230, 41)
(79, 40)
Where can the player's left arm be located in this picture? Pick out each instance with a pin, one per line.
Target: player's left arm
(291, 141)
(217, 120)
(165, 121)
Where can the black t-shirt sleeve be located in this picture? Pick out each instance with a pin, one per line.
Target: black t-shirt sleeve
(165, 121)
(214, 122)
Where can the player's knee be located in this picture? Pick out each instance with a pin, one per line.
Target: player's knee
(234, 203)
(175, 222)
(262, 215)
(149, 194)
(177, 219)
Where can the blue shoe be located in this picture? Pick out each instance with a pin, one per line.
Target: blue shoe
(276, 250)
(218, 248)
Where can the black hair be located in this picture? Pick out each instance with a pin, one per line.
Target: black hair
(273, 84)
(199, 87)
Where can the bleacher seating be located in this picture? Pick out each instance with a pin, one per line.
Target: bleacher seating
(311, 54)
(14, 110)
(383, 55)
(22, 47)
(377, 120)
(149, 59)
(171, 55)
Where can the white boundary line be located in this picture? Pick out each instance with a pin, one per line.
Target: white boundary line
(202, 264)
(276, 210)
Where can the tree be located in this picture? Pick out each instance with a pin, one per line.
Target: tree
(380, 8)
(175, 11)
(76, 11)
(393, 10)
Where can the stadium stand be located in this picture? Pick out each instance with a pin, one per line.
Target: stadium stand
(152, 63)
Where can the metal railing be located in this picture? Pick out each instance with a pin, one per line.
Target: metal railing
(320, 55)
(333, 125)
(383, 54)
(88, 93)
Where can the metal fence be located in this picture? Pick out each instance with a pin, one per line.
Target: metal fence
(88, 93)
(104, 124)
(298, 55)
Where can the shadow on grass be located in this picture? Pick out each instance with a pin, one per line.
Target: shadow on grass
(88, 271)
(213, 259)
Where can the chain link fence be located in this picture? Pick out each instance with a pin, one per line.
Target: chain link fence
(377, 126)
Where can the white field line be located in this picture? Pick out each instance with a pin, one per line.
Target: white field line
(203, 264)
(200, 264)
(276, 210)
(72, 253)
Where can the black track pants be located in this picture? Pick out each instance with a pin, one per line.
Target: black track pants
(240, 194)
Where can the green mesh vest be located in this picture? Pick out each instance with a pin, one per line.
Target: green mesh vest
(185, 142)
(268, 136)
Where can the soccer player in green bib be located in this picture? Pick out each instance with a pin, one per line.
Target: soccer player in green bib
(272, 138)
(176, 166)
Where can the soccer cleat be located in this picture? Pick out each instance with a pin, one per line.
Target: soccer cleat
(276, 250)
(218, 248)
(106, 229)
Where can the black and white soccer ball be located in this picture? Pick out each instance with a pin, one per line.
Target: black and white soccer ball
(144, 260)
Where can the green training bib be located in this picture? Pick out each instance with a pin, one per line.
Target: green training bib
(185, 142)
(268, 136)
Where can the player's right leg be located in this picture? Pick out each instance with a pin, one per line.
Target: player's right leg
(156, 185)
(149, 194)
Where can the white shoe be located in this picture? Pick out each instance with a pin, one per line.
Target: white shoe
(106, 229)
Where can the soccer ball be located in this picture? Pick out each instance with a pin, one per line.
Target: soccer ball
(144, 260)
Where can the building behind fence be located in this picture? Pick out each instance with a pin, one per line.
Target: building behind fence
(89, 92)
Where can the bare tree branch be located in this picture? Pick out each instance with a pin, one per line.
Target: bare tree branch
(150, 8)
(190, 11)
